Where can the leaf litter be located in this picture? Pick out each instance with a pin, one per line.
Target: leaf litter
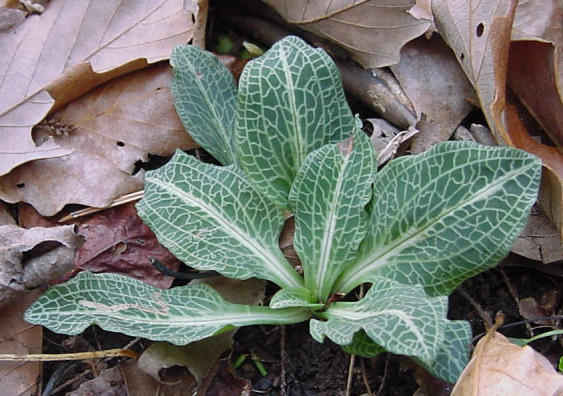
(544, 120)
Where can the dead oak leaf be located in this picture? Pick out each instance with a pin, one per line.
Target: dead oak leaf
(372, 30)
(109, 130)
(72, 47)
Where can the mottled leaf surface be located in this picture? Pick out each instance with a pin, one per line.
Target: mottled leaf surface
(294, 297)
(329, 196)
(453, 356)
(402, 319)
(290, 102)
(445, 215)
(363, 346)
(212, 218)
(122, 304)
(205, 98)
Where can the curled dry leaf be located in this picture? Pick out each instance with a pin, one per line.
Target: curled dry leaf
(108, 130)
(479, 32)
(436, 85)
(72, 47)
(373, 31)
(536, 50)
(30, 257)
(499, 368)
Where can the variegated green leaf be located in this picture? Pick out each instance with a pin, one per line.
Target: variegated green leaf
(443, 216)
(454, 354)
(294, 297)
(329, 196)
(400, 318)
(205, 99)
(290, 102)
(363, 346)
(118, 303)
(212, 218)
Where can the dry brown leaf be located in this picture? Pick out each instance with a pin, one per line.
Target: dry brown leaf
(5, 216)
(499, 368)
(538, 53)
(118, 241)
(19, 337)
(52, 255)
(479, 34)
(372, 30)
(437, 87)
(539, 240)
(72, 47)
(10, 18)
(109, 130)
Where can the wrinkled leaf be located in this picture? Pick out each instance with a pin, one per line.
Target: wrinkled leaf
(373, 31)
(427, 70)
(54, 57)
(501, 368)
(212, 218)
(122, 304)
(290, 102)
(400, 318)
(442, 216)
(52, 258)
(205, 98)
(329, 196)
(110, 130)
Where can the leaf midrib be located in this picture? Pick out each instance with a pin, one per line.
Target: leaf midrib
(223, 132)
(377, 259)
(361, 317)
(276, 267)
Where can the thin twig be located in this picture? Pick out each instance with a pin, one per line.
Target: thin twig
(51, 357)
(132, 197)
(514, 295)
(283, 356)
(350, 374)
(485, 316)
(382, 385)
(365, 377)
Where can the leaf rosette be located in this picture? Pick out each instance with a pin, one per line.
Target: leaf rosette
(412, 231)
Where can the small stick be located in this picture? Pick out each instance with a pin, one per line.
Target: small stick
(485, 316)
(350, 374)
(283, 385)
(382, 385)
(134, 196)
(52, 357)
(514, 295)
(365, 377)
